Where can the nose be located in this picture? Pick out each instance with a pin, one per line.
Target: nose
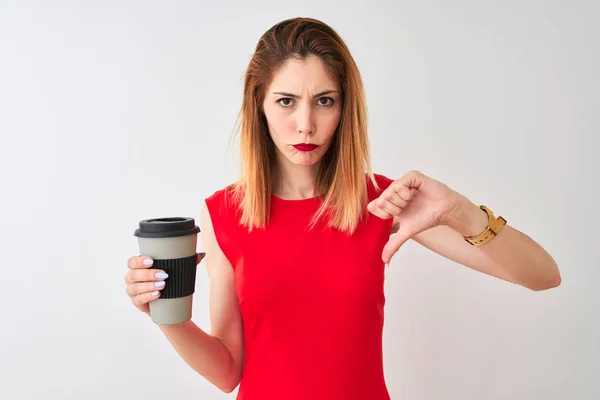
(305, 121)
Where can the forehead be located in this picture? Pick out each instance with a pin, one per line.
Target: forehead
(298, 75)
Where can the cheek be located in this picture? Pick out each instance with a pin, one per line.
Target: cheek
(330, 123)
(279, 123)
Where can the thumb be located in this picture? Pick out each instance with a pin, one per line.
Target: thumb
(393, 245)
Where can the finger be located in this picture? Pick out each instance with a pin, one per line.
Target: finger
(397, 202)
(139, 262)
(136, 289)
(377, 211)
(391, 202)
(403, 192)
(395, 198)
(145, 298)
(388, 206)
(200, 258)
(145, 275)
(412, 181)
(393, 245)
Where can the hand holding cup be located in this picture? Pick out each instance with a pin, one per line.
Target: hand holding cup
(161, 281)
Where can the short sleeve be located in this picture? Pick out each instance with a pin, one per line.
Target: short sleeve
(383, 181)
(225, 222)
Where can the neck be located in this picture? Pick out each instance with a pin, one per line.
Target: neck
(294, 182)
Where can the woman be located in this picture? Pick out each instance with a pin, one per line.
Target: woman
(295, 250)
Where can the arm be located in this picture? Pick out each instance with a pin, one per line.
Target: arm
(217, 356)
(511, 256)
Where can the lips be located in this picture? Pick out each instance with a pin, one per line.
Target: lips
(305, 146)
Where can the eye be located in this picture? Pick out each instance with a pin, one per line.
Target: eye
(286, 102)
(326, 101)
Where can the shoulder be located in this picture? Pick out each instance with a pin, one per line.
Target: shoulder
(377, 184)
(383, 181)
(225, 201)
(218, 220)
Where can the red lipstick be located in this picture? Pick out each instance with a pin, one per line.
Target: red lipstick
(305, 146)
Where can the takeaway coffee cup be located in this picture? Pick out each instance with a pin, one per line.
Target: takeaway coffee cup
(171, 242)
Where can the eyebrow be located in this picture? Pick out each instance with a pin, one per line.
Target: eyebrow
(295, 96)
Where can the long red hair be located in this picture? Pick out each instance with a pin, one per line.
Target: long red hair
(341, 179)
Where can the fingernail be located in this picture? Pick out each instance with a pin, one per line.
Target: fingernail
(159, 284)
(148, 261)
(161, 275)
(155, 293)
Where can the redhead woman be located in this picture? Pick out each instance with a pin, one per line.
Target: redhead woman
(296, 248)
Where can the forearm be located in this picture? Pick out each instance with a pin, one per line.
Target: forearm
(511, 251)
(204, 353)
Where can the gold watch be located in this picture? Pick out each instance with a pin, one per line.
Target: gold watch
(495, 225)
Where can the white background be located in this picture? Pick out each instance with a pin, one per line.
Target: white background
(116, 111)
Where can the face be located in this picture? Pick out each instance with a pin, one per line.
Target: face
(303, 109)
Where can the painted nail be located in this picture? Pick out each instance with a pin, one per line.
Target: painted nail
(148, 261)
(159, 283)
(162, 275)
(155, 293)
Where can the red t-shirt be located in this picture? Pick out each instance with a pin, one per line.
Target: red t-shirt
(311, 301)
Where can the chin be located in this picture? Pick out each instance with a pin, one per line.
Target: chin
(304, 163)
(305, 159)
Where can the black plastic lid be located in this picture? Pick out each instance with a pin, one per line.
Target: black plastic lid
(166, 227)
